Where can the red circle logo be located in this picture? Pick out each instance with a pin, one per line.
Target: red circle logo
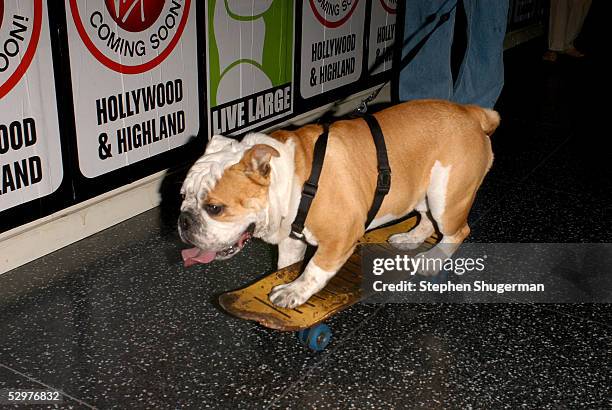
(159, 41)
(1, 12)
(333, 14)
(389, 5)
(30, 50)
(134, 15)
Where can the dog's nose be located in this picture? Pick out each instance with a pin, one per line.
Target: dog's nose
(185, 220)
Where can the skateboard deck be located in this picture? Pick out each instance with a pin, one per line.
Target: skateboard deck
(342, 291)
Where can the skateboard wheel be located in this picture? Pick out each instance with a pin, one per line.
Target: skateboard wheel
(315, 338)
(302, 336)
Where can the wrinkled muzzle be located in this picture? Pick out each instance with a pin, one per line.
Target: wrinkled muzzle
(207, 249)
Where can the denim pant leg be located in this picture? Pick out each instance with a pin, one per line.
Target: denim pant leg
(428, 75)
(481, 76)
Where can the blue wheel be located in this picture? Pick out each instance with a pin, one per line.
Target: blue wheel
(302, 336)
(316, 338)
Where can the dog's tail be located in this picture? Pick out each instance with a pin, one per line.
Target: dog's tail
(488, 119)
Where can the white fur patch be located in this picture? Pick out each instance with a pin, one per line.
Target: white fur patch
(221, 153)
(290, 251)
(436, 192)
(387, 218)
(382, 220)
(310, 238)
(300, 290)
(416, 236)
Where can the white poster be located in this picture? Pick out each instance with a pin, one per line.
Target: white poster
(134, 79)
(30, 152)
(249, 63)
(332, 44)
(382, 36)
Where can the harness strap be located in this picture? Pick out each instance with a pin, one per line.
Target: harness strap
(309, 190)
(311, 185)
(383, 183)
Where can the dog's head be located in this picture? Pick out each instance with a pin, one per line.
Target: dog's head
(225, 196)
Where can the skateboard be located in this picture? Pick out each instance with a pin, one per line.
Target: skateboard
(342, 291)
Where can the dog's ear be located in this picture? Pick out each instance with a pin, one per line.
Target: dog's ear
(256, 162)
(217, 143)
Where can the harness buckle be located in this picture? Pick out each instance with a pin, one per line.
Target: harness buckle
(297, 232)
(309, 189)
(383, 184)
(294, 234)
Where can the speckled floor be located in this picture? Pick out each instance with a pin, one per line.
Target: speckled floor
(116, 321)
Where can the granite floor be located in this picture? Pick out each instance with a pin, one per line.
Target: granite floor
(115, 321)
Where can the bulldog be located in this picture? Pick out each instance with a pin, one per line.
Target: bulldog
(439, 153)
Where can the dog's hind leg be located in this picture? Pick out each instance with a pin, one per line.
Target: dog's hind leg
(417, 235)
(449, 201)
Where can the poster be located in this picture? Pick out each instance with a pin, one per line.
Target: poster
(331, 44)
(382, 36)
(30, 151)
(525, 12)
(134, 79)
(250, 63)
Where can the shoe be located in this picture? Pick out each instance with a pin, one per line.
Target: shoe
(573, 52)
(550, 56)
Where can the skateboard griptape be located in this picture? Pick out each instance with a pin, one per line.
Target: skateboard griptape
(342, 291)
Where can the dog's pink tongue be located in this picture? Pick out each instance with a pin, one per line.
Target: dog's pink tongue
(194, 256)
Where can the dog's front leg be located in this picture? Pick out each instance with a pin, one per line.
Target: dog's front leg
(290, 251)
(321, 268)
(300, 290)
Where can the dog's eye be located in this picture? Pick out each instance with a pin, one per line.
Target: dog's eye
(212, 209)
(182, 196)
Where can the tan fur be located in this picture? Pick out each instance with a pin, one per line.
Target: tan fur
(416, 134)
(244, 186)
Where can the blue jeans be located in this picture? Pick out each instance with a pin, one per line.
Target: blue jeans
(481, 74)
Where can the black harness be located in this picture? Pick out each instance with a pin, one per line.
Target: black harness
(309, 190)
(383, 183)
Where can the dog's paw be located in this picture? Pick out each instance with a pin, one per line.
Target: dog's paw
(404, 241)
(288, 296)
(429, 272)
(431, 262)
